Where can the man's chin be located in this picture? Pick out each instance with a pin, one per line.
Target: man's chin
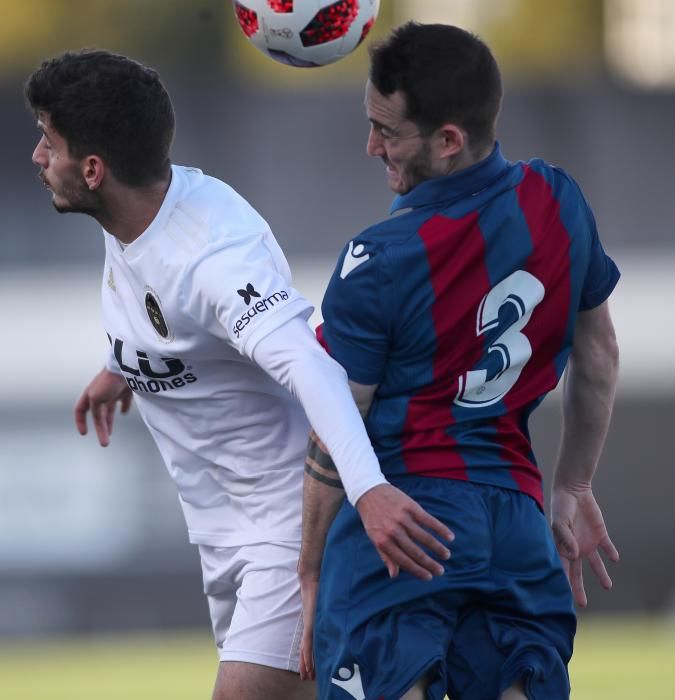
(398, 187)
(62, 208)
(394, 183)
(68, 208)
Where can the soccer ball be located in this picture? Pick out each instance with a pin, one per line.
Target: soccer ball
(306, 33)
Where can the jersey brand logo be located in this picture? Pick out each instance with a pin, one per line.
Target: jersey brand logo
(151, 374)
(350, 682)
(356, 255)
(260, 306)
(248, 293)
(111, 280)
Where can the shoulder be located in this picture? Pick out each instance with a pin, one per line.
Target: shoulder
(372, 271)
(212, 207)
(543, 181)
(388, 238)
(210, 229)
(560, 181)
(208, 219)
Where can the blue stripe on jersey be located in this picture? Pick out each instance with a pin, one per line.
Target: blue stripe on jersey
(574, 221)
(577, 219)
(413, 343)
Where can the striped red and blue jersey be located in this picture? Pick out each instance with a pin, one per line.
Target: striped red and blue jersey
(461, 308)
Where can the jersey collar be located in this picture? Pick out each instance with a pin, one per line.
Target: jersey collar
(138, 246)
(460, 184)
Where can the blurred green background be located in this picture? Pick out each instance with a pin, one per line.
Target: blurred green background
(614, 660)
(100, 593)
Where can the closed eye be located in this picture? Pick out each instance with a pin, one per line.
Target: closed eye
(384, 131)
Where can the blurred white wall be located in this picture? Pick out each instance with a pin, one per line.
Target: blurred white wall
(56, 341)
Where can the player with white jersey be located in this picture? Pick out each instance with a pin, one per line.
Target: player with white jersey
(208, 270)
(209, 336)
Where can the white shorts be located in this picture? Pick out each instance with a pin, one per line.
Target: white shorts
(254, 600)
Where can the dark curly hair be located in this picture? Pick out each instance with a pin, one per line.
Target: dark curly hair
(445, 73)
(109, 105)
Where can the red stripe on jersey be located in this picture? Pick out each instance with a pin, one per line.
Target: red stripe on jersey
(321, 338)
(549, 262)
(456, 254)
(515, 450)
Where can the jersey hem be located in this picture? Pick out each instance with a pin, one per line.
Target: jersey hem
(355, 493)
(474, 480)
(214, 539)
(270, 660)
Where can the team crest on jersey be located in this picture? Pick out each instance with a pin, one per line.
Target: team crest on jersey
(155, 315)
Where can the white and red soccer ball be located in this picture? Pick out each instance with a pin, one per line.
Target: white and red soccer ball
(306, 32)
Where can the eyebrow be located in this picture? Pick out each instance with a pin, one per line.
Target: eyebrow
(41, 128)
(380, 125)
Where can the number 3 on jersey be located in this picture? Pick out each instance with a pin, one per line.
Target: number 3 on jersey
(516, 296)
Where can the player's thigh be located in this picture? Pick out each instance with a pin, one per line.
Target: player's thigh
(515, 692)
(418, 691)
(255, 605)
(246, 681)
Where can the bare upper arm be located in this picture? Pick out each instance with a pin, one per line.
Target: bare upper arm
(363, 396)
(595, 337)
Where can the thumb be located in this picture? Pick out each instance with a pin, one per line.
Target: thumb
(565, 541)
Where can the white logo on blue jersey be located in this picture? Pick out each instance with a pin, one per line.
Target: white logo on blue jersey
(353, 258)
(350, 682)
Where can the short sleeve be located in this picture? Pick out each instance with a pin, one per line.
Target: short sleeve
(110, 362)
(602, 274)
(241, 290)
(355, 317)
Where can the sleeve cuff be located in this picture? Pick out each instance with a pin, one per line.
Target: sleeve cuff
(356, 490)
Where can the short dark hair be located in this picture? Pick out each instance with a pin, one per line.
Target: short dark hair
(109, 105)
(445, 73)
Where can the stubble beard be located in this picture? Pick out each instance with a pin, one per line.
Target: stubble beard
(76, 197)
(78, 200)
(418, 169)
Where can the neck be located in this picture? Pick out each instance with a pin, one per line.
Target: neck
(466, 158)
(128, 211)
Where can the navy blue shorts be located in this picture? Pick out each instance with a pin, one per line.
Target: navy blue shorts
(502, 611)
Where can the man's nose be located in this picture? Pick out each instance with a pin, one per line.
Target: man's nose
(39, 154)
(375, 144)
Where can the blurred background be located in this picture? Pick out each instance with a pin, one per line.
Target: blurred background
(92, 541)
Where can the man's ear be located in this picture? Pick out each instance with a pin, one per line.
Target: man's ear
(93, 171)
(451, 139)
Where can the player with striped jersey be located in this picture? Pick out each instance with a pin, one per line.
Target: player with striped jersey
(454, 318)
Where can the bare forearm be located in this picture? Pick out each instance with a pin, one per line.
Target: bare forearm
(588, 398)
(322, 497)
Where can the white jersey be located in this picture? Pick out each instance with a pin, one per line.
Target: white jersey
(184, 306)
